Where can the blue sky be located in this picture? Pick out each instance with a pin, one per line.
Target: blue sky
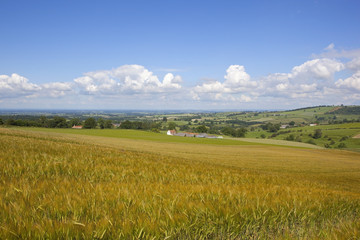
(179, 54)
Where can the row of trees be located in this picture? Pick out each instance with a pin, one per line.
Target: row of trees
(101, 123)
(139, 125)
(271, 127)
(58, 122)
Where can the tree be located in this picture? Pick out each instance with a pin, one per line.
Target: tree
(184, 127)
(240, 132)
(44, 122)
(342, 145)
(213, 131)
(228, 131)
(271, 127)
(10, 122)
(90, 123)
(155, 130)
(156, 125)
(171, 125)
(126, 125)
(101, 123)
(164, 119)
(74, 122)
(317, 134)
(1, 122)
(274, 128)
(201, 129)
(137, 125)
(58, 122)
(291, 137)
(292, 123)
(108, 124)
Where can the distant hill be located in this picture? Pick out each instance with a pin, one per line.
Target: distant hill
(353, 110)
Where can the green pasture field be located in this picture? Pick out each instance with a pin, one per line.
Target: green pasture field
(139, 135)
(162, 137)
(309, 112)
(298, 116)
(333, 132)
(56, 184)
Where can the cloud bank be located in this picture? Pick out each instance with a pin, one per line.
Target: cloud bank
(331, 77)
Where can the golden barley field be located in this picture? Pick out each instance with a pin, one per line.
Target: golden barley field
(57, 185)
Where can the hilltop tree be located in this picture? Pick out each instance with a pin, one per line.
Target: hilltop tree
(90, 123)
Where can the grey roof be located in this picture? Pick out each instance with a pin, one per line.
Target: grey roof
(202, 135)
(179, 134)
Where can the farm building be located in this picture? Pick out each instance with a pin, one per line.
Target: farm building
(171, 132)
(201, 135)
(77, 127)
(197, 135)
(184, 134)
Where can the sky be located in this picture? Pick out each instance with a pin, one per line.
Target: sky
(179, 55)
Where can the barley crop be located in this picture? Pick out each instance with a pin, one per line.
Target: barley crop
(57, 187)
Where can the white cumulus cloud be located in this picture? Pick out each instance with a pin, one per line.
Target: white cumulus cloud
(351, 83)
(306, 80)
(354, 64)
(237, 78)
(210, 87)
(318, 68)
(282, 86)
(127, 79)
(237, 81)
(56, 89)
(171, 82)
(16, 86)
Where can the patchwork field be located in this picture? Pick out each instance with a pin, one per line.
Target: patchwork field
(104, 184)
(333, 135)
